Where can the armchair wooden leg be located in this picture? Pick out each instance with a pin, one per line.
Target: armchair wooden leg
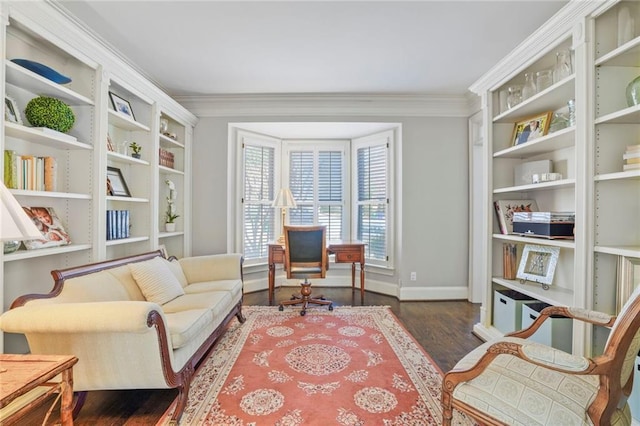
(447, 411)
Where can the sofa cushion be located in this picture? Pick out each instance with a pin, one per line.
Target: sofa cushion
(156, 281)
(176, 269)
(185, 325)
(232, 286)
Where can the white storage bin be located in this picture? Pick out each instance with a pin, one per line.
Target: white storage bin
(556, 331)
(507, 309)
(634, 398)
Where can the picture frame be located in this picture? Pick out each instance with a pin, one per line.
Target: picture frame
(109, 143)
(11, 110)
(627, 279)
(121, 105)
(538, 264)
(505, 210)
(116, 185)
(531, 128)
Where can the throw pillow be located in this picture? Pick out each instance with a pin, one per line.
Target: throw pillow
(177, 271)
(156, 281)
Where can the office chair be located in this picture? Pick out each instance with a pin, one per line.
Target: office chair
(305, 257)
(516, 381)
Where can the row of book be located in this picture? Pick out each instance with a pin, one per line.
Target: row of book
(118, 224)
(166, 158)
(29, 172)
(631, 158)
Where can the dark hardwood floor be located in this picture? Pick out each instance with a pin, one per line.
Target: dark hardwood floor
(442, 328)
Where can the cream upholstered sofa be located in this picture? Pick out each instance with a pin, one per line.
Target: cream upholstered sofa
(139, 322)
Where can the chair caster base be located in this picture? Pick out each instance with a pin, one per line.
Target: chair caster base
(281, 308)
(303, 313)
(331, 307)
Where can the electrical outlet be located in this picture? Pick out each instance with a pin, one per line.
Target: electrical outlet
(414, 276)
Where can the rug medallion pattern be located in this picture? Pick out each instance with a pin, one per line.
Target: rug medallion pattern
(351, 366)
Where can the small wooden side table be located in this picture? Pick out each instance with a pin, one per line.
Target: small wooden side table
(21, 374)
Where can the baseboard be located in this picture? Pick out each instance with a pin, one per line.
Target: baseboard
(381, 287)
(486, 333)
(433, 293)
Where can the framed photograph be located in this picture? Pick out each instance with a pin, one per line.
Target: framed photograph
(531, 128)
(121, 105)
(11, 110)
(627, 280)
(116, 184)
(538, 264)
(50, 226)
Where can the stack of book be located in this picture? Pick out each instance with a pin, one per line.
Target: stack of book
(166, 158)
(117, 224)
(29, 172)
(631, 158)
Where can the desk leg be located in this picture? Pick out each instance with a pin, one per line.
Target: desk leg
(362, 282)
(272, 278)
(66, 400)
(353, 276)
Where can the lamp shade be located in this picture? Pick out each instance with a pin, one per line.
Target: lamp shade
(284, 199)
(15, 225)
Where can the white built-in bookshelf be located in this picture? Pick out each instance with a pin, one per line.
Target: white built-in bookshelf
(588, 153)
(43, 33)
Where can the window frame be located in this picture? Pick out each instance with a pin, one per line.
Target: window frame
(387, 137)
(316, 146)
(245, 138)
(239, 136)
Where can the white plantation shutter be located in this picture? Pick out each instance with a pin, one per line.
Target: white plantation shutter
(371, 203)
(258, 194)
(317, 182)
(330, 193)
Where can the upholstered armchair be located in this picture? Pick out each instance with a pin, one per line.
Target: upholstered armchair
(515, 381)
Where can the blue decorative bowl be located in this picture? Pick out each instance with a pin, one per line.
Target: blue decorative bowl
(43, 70)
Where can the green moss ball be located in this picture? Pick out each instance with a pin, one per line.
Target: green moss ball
(49, 112)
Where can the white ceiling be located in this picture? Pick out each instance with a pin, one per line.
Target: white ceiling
(284, 47)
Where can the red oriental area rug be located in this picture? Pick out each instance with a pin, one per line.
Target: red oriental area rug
(349, 366)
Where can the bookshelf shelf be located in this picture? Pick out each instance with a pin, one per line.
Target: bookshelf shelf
(30, 254)
(28, 80)
(29, 134)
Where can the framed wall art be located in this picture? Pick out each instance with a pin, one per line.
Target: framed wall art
(538, 264)
(11, 110)
(116, 185)
(531, 128)
(627, 279)
(121, 105)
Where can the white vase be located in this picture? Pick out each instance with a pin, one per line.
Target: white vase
(170, 227)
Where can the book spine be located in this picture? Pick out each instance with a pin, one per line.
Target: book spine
(631, 167)
(501, 222)
(629, 155)
(10, 169)
(50, 174)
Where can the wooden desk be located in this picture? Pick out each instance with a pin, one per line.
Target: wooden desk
(20, 374)
(346, 252)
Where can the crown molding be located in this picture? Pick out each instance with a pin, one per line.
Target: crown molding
(395, 105)
(559, 26)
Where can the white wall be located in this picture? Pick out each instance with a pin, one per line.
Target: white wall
(434, 210)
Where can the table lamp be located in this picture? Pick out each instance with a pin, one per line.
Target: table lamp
(15, 225)
(285, 201)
